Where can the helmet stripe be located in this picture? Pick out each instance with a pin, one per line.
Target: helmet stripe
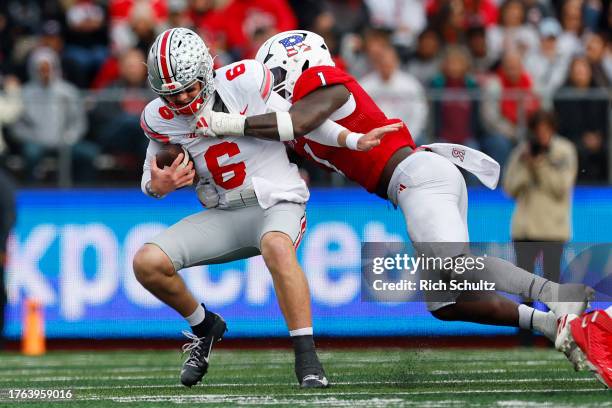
(267, 84)
(164, 59)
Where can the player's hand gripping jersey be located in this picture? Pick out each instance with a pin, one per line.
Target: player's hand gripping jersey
(234, 164)
(359, 114)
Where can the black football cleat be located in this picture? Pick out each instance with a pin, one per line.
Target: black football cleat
(200, 350)
(309, 371)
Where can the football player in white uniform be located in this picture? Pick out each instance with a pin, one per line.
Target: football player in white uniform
(257, 195)
(254, 195)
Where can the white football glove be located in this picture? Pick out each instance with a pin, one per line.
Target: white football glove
(202, 124)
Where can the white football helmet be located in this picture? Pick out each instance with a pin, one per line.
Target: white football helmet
(290, 53)
(177, 59)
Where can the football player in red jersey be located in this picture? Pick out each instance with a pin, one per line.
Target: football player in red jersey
(423, 182)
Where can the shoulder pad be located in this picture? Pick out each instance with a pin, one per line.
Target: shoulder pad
(318, 77)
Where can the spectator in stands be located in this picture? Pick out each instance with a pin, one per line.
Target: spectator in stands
(513, 31)
(406, 19)
(399, 94)
(465, 13)
(537, 10)
(483, 12)
(86, 38)
(11, 106)
(51, 36)
(138, 29)
(178, 14)
(540, 176)
(591, 13)
(456, 117)
(354, 49)
(208, 22)
(54, 120)
(450, 20)
(7, 221)
(547, 66)
(243, 18)
(507, 102)
(349, 16)
(116, 118)
(570, 42)
(477, 45)
(310, 12)
(595, 52)
(583, 118)
(425, 63)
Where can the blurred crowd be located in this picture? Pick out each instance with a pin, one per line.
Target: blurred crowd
(73, 78)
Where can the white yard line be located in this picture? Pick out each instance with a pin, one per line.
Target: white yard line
(271, 395)
(271, 384)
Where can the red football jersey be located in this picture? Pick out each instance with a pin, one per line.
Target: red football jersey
(364, 115)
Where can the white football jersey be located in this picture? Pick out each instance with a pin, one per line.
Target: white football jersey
(231, 163)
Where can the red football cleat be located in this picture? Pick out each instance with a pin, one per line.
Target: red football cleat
(592, 332)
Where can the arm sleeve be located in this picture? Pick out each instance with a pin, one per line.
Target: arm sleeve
(152, 150)
(516, 176)
(327, 134)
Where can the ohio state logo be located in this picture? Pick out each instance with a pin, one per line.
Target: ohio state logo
(458, 153)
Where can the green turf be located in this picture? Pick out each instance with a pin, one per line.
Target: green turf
(372, 377)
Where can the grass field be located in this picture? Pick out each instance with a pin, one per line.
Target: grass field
(372, 377)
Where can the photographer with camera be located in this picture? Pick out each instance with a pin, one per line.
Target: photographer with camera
(540, 176)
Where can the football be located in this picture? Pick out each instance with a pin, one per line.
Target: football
(168, 153)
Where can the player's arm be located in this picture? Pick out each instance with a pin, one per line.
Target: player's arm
(303, 117)
(307, 117)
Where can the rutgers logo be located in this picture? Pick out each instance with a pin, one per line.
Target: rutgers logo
(459, 153)
(293, 44)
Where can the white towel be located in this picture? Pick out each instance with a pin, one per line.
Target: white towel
(476, 162)
(271, 192)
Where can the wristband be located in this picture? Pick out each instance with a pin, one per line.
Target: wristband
(151, 192)
(285, 126)
(227, 124)
(352, 139)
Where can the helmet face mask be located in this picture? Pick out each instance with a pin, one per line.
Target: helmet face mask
(177, 60)
(290, 53)
(188, 108)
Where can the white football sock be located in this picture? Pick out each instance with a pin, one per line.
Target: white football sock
(197, 316)
(532, 319)
(306, 331)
